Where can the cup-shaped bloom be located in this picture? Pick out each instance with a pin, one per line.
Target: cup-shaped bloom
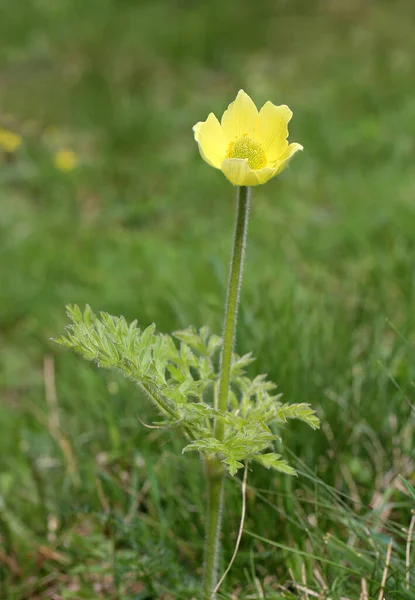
(248, 146)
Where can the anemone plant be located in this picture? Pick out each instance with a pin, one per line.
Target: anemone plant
(193, 377)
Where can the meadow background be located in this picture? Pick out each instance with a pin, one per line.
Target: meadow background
(130, 220)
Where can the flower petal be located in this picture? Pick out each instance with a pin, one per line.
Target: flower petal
(240, 117)
(272, 129)
(212, 141)
(239, 172)
(286, 157)
(264, 175)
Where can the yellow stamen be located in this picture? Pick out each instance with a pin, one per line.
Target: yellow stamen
(245, 147)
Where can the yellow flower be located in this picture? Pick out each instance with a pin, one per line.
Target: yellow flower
(9, 140)
(66, 160)
(248, 146)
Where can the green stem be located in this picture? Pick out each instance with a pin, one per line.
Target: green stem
(215, 479)
(164, 407)
(232, 301)
(215, 471)
(158, 401)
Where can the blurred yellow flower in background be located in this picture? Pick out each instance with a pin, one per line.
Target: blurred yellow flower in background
(66, 160)
(9, 140)
(248, 146)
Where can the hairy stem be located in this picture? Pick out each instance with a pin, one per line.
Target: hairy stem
(164, 407)
(215, 479)
(232, 301)
(215, 471)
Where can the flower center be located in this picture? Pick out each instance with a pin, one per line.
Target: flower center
(245, 147)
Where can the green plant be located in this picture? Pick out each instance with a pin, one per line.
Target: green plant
(222, 412)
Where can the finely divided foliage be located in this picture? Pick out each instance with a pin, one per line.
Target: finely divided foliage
(180, 376)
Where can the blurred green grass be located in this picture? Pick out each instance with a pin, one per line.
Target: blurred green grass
(142, 228)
